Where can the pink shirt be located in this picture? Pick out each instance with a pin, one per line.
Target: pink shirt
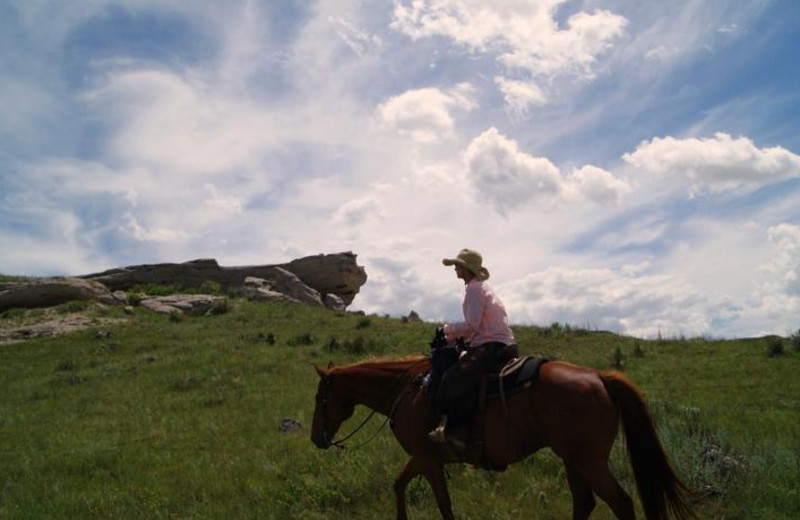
(485, 317)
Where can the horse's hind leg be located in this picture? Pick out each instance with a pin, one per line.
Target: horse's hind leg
(607, 488)
(582, 497)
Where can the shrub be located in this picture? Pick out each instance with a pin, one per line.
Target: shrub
(302, 339)
(332, 345)
(152, 289)
(73, 306)
(363, 323)
(355, 346)
(13, 313)
(219, 307)
(618, 361)
(774, 347)
(207, 287)
(794, 341)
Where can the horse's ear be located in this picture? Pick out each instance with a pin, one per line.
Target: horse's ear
(321, 372)
(330, 365)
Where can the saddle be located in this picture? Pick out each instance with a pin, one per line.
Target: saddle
(515, 376)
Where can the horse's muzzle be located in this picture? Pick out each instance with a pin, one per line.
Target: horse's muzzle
(321, 441)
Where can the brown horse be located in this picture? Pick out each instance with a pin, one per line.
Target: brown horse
(573, 410)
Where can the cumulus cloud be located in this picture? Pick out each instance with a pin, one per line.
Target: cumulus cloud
(425, 114)
(598, 185)
(616, 300)
(507, 178)
(714, 164)
(524, 35)
(784, 240)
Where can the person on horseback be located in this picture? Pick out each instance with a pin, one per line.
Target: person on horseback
(485, 330)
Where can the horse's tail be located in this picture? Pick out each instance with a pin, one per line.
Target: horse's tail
(659, 487)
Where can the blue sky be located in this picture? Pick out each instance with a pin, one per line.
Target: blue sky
(621, 165)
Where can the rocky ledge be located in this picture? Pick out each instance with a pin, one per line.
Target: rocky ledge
(322, 280)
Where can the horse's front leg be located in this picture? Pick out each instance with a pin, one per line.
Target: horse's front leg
(409, 471)
(434, 472)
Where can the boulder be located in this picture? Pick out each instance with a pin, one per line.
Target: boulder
(190, 304)
(48, 292)
(281, 286)
(334, 302)
(258, 289)
(337, 274)
(280, 280)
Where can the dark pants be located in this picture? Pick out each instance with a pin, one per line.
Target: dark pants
(465, 374)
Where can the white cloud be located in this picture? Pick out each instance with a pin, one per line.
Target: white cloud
(598, 185)
(358, 40)
(526, 35)
(179, 123)
(228, 204)
(520, 95)
(355, 212)
(714, 164)
(663, 52)
(143, 234)
(784, 240)
(613, 300)
(425, 114)
(507, 178)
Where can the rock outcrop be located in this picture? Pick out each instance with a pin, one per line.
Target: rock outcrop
(189, 304)
(322, 280)
(337, 274)
(48, 292)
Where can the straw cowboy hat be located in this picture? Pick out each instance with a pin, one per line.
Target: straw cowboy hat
(471, 261)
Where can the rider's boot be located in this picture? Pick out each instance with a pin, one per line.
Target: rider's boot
(438, 433)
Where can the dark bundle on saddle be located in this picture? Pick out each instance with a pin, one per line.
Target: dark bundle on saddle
(442, 355)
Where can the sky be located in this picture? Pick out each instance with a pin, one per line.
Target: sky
(621, 165)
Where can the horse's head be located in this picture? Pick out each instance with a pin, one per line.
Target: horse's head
(330, 411)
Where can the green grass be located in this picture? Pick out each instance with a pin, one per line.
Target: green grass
(169, 419)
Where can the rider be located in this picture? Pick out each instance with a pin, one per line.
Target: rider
(485, 328)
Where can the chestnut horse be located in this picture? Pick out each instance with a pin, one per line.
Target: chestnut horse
(573, 410)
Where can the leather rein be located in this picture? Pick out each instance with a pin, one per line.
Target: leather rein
(339, 443)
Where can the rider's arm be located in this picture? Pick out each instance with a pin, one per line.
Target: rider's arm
(473, 314)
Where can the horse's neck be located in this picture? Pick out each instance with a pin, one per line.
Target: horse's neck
(374, 385)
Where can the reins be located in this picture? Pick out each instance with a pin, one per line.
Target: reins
(340, 442)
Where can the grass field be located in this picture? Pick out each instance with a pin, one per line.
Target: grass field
(167, 418)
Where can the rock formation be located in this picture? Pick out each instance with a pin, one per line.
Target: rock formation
(326, 274)
(189, 304)
(48, 292)
(321, 280)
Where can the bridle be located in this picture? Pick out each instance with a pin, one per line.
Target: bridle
(324, 398)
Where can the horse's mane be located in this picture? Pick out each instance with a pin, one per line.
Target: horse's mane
(389, 364)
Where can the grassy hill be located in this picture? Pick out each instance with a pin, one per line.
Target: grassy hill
(169, 418)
